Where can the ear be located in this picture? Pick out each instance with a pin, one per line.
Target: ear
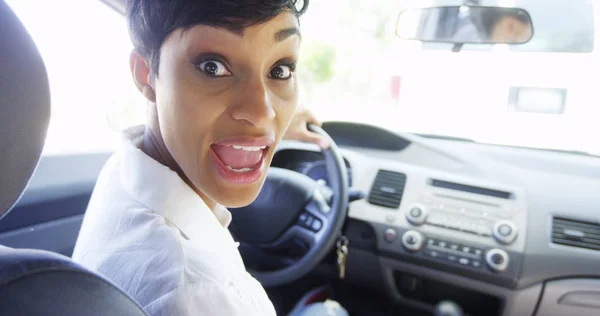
(142, 75)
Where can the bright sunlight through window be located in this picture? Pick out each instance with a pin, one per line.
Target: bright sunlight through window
(85, 46)
(353, 67)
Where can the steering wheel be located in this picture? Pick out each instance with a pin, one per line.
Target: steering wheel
(293, 209)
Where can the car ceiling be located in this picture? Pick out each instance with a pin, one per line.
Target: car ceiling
(118, 5)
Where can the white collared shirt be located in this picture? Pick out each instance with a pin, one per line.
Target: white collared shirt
(150, 233)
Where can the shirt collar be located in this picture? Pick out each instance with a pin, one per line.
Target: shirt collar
(160, 189)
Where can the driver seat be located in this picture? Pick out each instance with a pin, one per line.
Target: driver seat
(34, 282)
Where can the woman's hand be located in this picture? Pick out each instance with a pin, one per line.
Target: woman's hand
(298, 128)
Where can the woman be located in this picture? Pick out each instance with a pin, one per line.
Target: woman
(219, 78)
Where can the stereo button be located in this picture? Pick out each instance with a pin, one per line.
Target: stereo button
(432, 253)
(505, 232)
(412, 240)
(497, 260)
(416, 214)
(390, 235)
(435, 254)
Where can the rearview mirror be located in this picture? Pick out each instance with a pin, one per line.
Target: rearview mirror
(466, 25)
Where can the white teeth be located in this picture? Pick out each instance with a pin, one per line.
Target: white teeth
(249, 148)
(239, 170)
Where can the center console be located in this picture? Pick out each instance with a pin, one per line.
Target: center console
(447, 222)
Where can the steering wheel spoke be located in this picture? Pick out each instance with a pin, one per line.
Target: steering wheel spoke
(319, 202)
(308, 229)
(296, 234)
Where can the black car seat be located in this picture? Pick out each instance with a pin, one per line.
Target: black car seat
(34, 282)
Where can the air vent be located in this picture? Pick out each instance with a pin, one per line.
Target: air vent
(387, 189)
(576, 233)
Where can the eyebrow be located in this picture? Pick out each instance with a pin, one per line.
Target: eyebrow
(285, 33)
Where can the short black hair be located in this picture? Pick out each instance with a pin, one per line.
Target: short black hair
(151, 21)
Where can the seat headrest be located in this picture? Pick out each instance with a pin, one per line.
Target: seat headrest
(24, 108)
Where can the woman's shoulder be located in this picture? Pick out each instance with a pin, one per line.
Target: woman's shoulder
(138, 250)
(124, 227)
(118, 225)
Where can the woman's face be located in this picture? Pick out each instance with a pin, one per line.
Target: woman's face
(224, 100)
(511, 30)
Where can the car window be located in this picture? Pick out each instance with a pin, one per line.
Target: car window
(85, 46)
(354, 68)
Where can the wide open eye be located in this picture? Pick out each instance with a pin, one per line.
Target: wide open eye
(214, 68)
(282, 72)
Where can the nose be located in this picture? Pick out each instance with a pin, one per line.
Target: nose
(254, 104)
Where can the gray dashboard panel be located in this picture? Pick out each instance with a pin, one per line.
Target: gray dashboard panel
(557, 184)
(550, 184)
(571, 297)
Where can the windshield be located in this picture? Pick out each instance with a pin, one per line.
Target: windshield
(353, 68)
(541, 94)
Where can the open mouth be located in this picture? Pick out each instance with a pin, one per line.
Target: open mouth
(240, 160)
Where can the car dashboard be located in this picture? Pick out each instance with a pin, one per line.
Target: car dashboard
(499, 230)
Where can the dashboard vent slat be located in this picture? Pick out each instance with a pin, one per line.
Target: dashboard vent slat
(586, 232)
(576, 233)
(387, 189)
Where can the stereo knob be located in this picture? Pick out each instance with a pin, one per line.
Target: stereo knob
(505, 232)
(416, 214)
(497, 260)
(412, 240)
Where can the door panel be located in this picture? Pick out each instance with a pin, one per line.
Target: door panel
(56, 236)
(51, 210)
